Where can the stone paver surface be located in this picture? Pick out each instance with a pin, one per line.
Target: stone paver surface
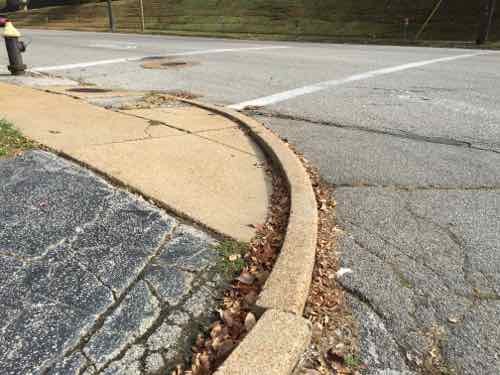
(94, 279)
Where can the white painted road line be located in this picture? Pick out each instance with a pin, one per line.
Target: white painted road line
(137, 58)
(84, 65)
(117, 46)
(290, 94)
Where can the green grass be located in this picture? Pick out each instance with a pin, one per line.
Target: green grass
(364, 21)
(11, 141)
(352, 361)
(231, 254)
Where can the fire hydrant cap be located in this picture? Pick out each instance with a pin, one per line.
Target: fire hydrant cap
(9, 31)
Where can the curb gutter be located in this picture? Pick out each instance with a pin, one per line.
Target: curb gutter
(281, 334)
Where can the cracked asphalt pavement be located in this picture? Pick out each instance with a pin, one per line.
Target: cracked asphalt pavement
(414, 155)
(93, 279)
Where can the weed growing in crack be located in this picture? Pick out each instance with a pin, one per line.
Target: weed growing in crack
(231, 256)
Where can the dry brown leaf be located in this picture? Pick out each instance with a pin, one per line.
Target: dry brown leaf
(312, 372)
(228, 319)
(205, 362)
(250, 321)
(258, 227)
(200, 341)
(216, 330)
(246, 278)
(251, 297)
(225, 348)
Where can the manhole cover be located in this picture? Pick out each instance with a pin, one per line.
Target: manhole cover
(90, 90)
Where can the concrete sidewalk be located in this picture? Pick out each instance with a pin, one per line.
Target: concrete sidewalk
(199, 164)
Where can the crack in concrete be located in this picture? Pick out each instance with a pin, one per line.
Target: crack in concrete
(28, 259)
(137, 341)
(165, 311)
(187, 132)
(95, 276)
(102, 210)
(132, 140)
(387, 132)
(155, 122)
(7, 254)
(198, 135)
(89, 363)
(100, 319)
(155, 294)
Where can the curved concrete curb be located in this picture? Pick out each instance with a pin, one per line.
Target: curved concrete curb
(273, 347)
(281, 335)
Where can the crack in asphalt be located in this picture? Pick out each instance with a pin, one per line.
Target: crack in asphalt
(362, 299)
(388, 132)
(419, 188)
(391, 244)
(466, 271)
(466, 267)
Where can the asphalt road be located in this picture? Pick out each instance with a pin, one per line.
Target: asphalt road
(409, 136)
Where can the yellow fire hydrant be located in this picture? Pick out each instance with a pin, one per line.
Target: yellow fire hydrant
(15, 48)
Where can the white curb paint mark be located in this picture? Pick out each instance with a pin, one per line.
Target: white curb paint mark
(137, 58)
(290, 94)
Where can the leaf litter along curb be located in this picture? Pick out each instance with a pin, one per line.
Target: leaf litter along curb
(236, 318)
(333, 348)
